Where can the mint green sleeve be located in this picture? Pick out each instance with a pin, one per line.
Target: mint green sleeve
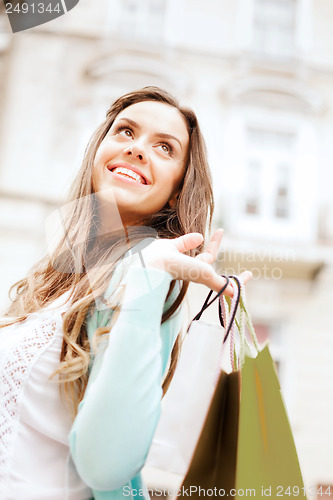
(114, 427)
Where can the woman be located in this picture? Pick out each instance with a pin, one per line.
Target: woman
(107, 304)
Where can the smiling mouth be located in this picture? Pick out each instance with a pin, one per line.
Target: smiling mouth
(129, 174)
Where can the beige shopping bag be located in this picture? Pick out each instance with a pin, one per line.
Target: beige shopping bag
(185, 405)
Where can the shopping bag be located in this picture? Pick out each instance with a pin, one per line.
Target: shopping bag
(186, 403)
(266, 455)
(246, 447)
(213, 464)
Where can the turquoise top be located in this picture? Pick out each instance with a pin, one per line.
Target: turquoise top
(118, 415)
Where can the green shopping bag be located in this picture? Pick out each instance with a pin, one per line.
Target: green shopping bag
(266, 455)
(246, 447)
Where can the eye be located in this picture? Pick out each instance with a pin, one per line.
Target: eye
(124, 130)
(166, 148)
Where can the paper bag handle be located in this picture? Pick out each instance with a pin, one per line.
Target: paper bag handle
(206, 304)
(233, 310)
(244, 318)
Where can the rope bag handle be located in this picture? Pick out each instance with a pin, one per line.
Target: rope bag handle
(243, 321)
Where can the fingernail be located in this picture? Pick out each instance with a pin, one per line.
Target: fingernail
(248, 273)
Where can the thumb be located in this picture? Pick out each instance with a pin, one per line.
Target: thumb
(188, 241)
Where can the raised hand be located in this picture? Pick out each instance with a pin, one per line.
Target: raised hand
(168, 254)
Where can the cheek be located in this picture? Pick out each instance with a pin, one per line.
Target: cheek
(97, 170)
(101, 158)
(100, 153)
(178, 176)
(106, 148)
(94, 179)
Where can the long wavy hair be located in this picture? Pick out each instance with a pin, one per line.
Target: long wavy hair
(77, 264)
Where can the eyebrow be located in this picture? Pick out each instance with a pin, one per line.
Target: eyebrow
(158, 134)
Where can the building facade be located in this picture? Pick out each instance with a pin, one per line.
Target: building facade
(259, 74)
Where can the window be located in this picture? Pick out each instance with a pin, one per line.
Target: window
(142, 19)
(253, 191)
(282, 192)
(274, 27)
(269, 165)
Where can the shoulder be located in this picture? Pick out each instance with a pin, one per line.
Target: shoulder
(133, 286)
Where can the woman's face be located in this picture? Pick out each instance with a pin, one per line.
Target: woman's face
(141, 161)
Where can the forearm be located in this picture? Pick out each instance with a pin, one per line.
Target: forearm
(117, 419)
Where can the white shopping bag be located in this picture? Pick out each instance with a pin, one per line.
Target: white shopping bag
(186, 403)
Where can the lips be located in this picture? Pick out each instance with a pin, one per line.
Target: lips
(129, 171)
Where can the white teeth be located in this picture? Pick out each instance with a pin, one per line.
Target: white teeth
(129, 173)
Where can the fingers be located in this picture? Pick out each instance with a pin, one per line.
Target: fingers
(188, 242)
(199, 269)
(193, 240)
(191, 269)
(210, 253)
(215, 282)
(245, 277)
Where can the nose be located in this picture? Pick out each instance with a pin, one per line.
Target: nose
(137, 150)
